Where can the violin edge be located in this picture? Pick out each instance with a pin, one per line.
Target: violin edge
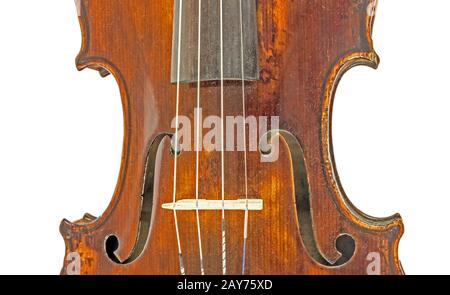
(357, 58)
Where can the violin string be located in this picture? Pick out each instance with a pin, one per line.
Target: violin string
(244, 114)
(222, 127)
(175, 139)
(197, 156)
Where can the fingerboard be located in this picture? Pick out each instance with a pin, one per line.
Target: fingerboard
(234, 14)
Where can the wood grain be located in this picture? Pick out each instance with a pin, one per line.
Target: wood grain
(305, 47)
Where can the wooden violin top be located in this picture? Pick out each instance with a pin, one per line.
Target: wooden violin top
(275, 206)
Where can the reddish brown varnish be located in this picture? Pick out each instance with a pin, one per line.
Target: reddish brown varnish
(304, 49)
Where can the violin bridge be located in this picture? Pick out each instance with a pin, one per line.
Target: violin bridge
(211, 205)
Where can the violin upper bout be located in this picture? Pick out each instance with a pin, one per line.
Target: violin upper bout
(92, 54)
(79, 5)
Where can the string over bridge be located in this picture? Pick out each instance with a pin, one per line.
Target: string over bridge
(210, 205)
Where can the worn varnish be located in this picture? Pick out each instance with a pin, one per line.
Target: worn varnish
(304, 48)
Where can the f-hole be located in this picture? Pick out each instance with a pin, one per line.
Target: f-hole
(112, 242)
(344, 243)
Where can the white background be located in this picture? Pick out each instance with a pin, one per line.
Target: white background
(61, 132)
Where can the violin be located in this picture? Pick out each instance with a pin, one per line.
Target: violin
(227, 165)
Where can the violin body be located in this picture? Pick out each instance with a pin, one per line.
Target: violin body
(303, 222)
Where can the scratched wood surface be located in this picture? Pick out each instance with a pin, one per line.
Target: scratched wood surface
(304, 48)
